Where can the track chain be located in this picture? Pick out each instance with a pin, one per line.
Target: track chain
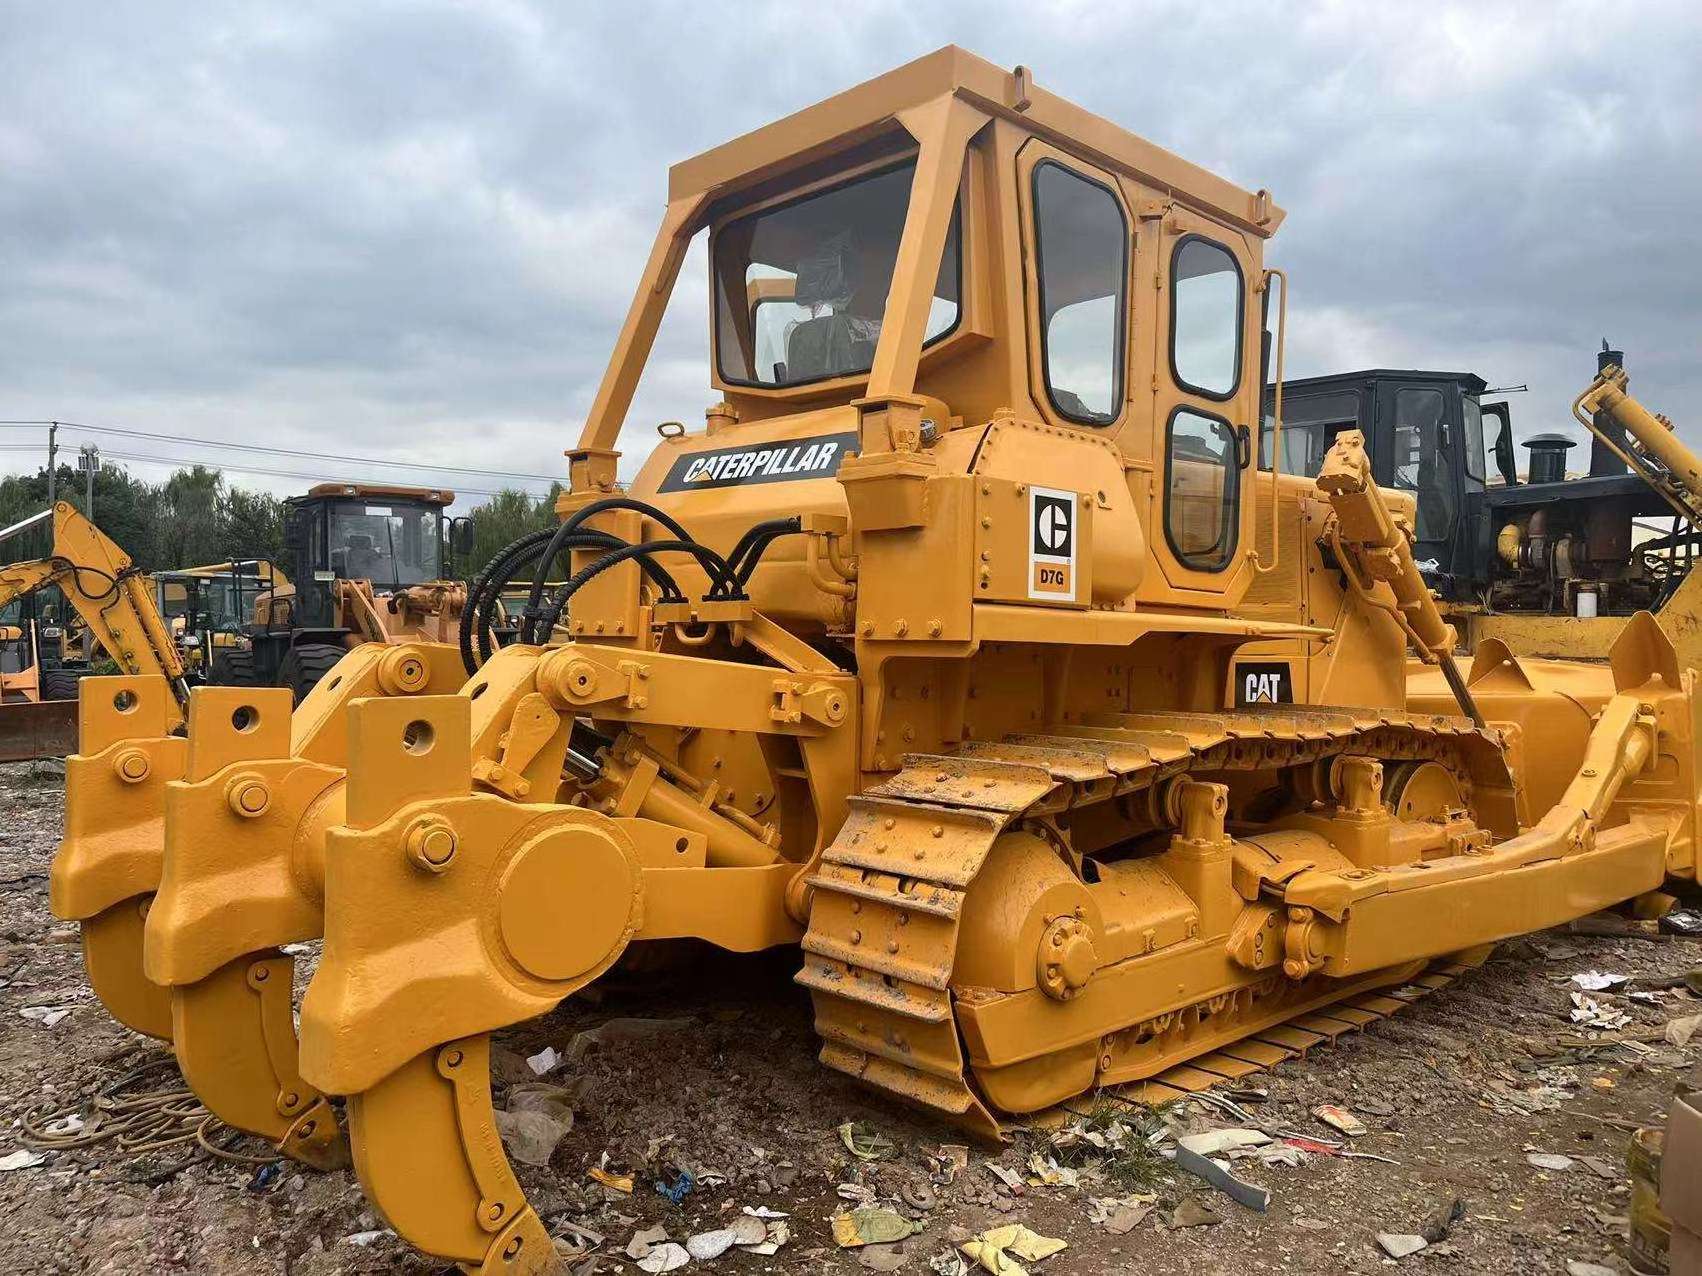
(888, 894)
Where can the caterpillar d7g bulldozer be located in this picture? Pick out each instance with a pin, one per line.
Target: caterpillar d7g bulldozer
(926, 657)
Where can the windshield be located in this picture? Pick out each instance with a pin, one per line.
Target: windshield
(390, 545)
(801, 288)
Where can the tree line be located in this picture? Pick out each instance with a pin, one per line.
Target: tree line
(195, 517)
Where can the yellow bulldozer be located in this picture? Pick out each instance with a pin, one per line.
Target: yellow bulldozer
(944, 654)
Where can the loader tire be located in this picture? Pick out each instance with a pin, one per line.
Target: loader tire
(60, 683)
(233, 668)
(306, 664)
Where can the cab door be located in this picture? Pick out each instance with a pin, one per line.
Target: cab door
(1206, 399)
(1414, 453)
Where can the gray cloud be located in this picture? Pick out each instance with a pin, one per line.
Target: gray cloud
(413, 229)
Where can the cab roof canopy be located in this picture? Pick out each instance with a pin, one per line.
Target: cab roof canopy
(872, 108)
(384, 492)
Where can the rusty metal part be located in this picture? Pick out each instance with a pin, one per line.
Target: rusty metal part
(37, 729)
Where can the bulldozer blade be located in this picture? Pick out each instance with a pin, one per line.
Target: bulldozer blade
(430, 1158)
(234, 1036)
(37, 729)
(112, 955)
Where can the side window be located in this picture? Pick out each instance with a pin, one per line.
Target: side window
(1474, 439)
(1205, 318)
(1310, 423)
(1081, 259)
(1421, 460)
(1202, 476)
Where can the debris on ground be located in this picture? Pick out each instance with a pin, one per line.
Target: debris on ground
(1401, 1244)
(1340, 1119)
(1592, 1012)
(1471, 1080)
(1556, 1161)
(1004, 1250)
(871, 1225)
(1252, 1195)
(865, 1142)
(1599, 981)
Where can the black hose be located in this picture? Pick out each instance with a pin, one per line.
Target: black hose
(755, 542)
(572, 524)
(712, 562)
(500, 562)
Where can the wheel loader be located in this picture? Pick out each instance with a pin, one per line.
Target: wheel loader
(926, 657)
(368, 565)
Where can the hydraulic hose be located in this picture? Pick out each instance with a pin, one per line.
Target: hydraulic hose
(572, 524)
(713, 563)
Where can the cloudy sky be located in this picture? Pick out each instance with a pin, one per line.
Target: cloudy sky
(401, 230)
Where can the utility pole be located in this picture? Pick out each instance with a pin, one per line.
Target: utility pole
(52, 459)
(88, 460)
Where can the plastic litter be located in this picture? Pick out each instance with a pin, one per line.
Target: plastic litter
(677, 1190)
(883, 1258)
(1599, 981)
(707, 1246)
(545, 1061)
(1340, 1119)
(865, 1142)
(46, 1016)
(666, 1257)
(264, 1176)
(530, 1137)
(1682, 921)
(1592, 1013)
(23, 1159)
(1217, 1142)
(1003, 1250)
(871, 1226)
(1251, 1195)
(614, 1182)
(363, 1239)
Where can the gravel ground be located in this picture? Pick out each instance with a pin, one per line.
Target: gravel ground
(1457, 1091)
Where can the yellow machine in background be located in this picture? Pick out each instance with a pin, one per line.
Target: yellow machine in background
(964, 650)
(1537, 543)
(112, 598)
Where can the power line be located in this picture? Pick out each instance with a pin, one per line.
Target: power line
(282, 451)
(272, 473)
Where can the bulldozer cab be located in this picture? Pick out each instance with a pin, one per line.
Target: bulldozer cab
(953, 266)
(391, 536)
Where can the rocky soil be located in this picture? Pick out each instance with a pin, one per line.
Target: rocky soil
(720, 1083)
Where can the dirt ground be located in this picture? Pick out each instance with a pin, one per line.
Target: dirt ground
(1457, 1092)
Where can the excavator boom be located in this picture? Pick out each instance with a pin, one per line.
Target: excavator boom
(111, 596)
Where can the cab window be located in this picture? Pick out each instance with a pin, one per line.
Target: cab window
(1421, 459)
(801, 288)
(1202, 486)
(1310, 423)
(1475, 465)
(1205, 318)
(1081, 261)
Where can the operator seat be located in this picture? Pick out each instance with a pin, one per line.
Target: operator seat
(838, 342)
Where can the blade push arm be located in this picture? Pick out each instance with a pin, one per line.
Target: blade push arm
(1373, 548)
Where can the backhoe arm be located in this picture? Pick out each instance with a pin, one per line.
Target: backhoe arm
(111, 596)
(1654, 450)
